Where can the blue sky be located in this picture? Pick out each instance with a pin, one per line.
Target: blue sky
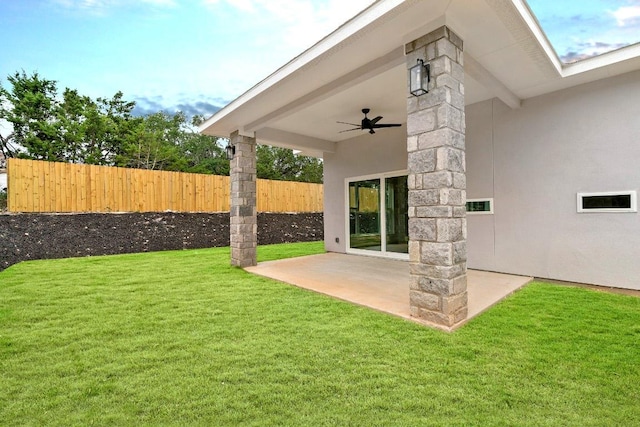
(192, 55)
(197, 55)
(579, 29)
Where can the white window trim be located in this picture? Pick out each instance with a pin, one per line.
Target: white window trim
(632, 193)
(485, 199)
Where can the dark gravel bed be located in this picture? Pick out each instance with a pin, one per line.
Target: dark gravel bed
(47, 236)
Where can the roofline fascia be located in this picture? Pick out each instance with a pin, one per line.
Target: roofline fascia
(578, 67)
(342, 33)
(534, 26)
(606, 59)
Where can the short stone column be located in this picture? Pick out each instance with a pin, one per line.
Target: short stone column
(244, 219)
(437, 183)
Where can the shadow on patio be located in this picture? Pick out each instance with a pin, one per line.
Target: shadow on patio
(379, 283)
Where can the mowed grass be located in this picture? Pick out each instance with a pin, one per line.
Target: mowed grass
(181, 338)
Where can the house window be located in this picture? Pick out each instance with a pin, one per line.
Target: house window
(480, 206)
(610, 201)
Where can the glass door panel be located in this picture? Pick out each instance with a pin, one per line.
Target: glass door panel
(364, 215)
(397, 214)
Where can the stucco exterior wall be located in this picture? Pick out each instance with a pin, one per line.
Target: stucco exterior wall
(367, 154)
(534, 160)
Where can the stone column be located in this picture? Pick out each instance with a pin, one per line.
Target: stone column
(437, 183)
(244, 223)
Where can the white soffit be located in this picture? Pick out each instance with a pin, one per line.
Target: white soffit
(361, 65)
(536, 46)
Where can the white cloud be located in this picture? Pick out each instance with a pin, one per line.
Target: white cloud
(627, 15)
(233, 45)
(263, 35)
(298, 23)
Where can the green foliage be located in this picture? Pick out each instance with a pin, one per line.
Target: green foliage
(3, 199)
(93, 132)
(183, 338)
(203, 153)
(29, 106)
(75, 128)
(282, 164)
(154, 143)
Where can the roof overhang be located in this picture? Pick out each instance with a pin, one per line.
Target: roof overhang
(362, 64)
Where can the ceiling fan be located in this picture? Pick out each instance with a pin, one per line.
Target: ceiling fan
(369, 124)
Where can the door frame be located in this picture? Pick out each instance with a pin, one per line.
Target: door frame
(383, 216)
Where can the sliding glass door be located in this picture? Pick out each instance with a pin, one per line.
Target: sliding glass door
(364, 215)
(378, 215)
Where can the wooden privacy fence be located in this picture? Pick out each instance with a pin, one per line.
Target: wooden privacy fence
(39, 186)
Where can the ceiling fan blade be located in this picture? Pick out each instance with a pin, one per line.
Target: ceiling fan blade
(351, 124)
(369, 124)
(387, 125)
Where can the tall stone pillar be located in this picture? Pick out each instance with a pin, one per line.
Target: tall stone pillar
(244, 222)
(437, 183)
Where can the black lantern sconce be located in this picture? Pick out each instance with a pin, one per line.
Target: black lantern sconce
(419, 78)
(231, 151)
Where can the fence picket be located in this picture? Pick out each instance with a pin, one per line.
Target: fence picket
(39, 186)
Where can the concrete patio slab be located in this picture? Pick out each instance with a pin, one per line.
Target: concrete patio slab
(379, 283)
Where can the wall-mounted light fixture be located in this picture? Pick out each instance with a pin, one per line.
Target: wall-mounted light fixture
(419, 78)
(231, 151)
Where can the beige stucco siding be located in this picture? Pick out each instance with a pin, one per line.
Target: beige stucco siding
(367, 154)
(532, 161)
(584, 139)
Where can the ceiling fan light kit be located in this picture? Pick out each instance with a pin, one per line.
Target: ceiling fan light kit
(419, 78)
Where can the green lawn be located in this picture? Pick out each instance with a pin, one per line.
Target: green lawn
(181, 338)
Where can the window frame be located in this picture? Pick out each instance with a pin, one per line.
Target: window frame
(383, 253)
(482, 199)
(633, 201)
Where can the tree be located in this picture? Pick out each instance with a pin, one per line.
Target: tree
(311, 169)
(7, 147)
(170, 142)
(94, 132)
(282, 164)
(154, 143)
(30, 107)
(73, 129)
(202, 152)
(71, 115)
(109, 125)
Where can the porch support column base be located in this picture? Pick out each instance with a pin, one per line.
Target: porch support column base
(437, 183)
(243, 217)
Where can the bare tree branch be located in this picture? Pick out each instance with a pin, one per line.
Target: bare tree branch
(6, 147)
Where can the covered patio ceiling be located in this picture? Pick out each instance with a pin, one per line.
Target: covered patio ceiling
(362, 65)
